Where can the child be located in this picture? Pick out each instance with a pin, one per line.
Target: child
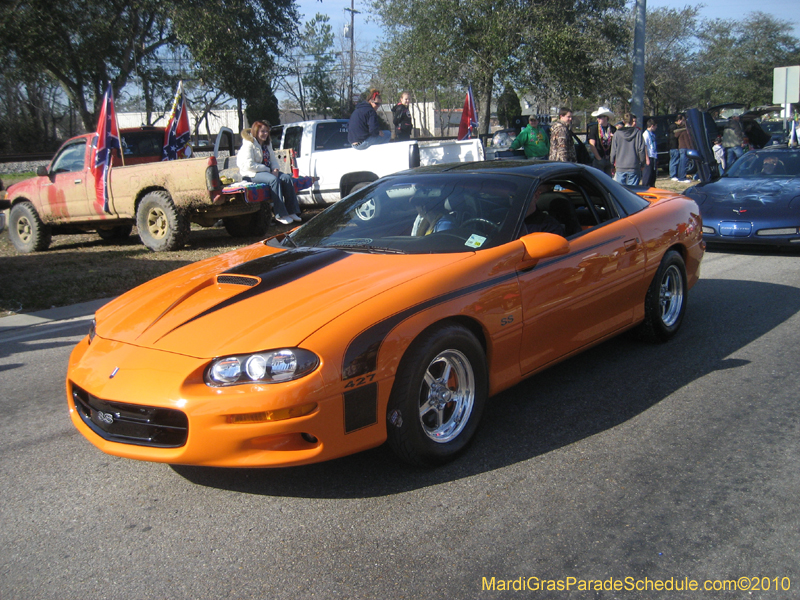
(719, 154)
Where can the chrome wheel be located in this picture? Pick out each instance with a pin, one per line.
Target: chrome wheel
(670, 296)
(447, 396)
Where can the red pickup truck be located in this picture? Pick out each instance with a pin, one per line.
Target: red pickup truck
(160, 198)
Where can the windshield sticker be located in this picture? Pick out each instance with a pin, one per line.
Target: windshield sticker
(475, 241)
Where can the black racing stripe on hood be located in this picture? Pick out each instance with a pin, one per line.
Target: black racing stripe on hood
(361, 355)
(276, 270)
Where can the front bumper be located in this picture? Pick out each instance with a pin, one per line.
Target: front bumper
(753, 233)
(152, 405)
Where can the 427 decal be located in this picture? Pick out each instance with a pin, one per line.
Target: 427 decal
(359, 381)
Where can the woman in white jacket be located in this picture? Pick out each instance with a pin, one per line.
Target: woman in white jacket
(257, 162)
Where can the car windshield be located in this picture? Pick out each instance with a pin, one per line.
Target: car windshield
(769, 164)
(422, 214)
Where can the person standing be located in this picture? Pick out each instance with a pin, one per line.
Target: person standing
(401, 118)
(562, 148)
(684, 145)
(651, 169)
(732, 139)
(599, 137)
(257, 162)
(364, 127)
(674, 152)
(628, 153)
(533, 140)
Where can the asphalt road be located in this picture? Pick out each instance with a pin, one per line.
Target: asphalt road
(629, 464)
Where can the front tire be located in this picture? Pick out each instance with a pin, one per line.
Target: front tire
(162, 227)
(665, 302)
(438, 396)
(26, 230)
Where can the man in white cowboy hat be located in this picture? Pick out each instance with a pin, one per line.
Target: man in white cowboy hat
(599, 137)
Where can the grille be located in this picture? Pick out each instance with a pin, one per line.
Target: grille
(131, 423)
(237, 280)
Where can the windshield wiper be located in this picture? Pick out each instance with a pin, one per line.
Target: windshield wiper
(365, 248)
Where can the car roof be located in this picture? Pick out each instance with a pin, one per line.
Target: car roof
(527, 168)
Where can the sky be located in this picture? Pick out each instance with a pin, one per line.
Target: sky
(368, 33)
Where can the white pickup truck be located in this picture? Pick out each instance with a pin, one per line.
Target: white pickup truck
(322, 151)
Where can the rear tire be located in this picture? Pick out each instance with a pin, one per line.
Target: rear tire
(250, 225)
(26, 230)
(162, 227)
(438, 396)
(665, 302)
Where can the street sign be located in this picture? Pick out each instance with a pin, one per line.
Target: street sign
(786, 85)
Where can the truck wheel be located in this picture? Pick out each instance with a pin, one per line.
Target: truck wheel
(119, 233)
(161, 226)
(26, 230)
(250, 225)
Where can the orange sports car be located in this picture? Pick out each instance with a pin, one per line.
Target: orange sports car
(393, 315)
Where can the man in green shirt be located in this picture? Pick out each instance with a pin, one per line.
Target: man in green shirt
(533, 139)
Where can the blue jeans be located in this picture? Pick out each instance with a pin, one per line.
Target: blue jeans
(628, 177)
(732, 154)
(682, 164)
(674, 158)
(284, 199)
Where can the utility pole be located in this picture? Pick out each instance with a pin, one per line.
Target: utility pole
(637, 98)
(353, 13)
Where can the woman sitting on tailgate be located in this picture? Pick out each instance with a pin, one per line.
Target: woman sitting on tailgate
(257, 162)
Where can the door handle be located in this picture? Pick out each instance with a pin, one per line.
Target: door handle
(77, 181)
(631, 245)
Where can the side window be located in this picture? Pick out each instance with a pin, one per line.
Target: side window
(70, 159)
(576, 203)
(292, 139)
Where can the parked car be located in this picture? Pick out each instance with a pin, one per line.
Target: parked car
(756, 201)
(346, 333)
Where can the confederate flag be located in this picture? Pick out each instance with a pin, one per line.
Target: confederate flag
(107, 140)
(177, 134)
(469, 117)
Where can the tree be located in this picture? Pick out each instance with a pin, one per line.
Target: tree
(508, 107)
(83, 44)
(737, 58)
(441, 42)
(670, 64)
(317, 43)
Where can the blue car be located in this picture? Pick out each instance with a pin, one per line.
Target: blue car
(756, 201)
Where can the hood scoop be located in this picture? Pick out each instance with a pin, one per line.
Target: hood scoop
(238, 280)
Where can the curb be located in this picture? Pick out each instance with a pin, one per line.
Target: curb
(84, 309)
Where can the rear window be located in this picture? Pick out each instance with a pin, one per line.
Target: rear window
(331, 136)
(143, 143)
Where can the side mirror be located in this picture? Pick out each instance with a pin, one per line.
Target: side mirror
(542, 245)
(42, 171)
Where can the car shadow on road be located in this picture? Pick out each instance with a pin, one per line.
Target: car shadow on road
(574, 400)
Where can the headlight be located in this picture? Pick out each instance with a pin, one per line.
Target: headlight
(271, 366)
